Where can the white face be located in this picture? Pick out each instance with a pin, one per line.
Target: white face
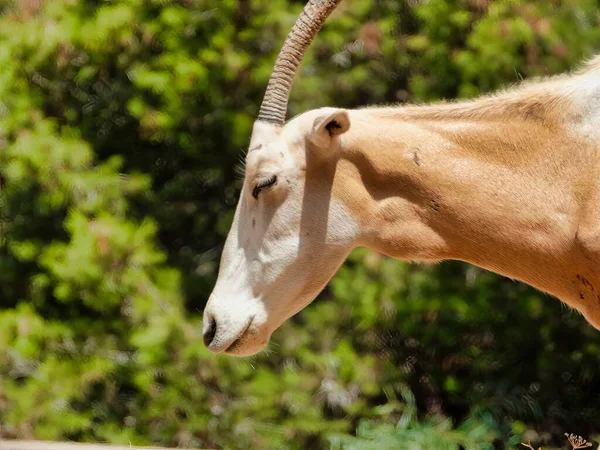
(288, 237)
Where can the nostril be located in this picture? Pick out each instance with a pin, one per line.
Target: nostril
(209, 333)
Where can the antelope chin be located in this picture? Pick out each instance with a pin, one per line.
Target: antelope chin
(248, 344)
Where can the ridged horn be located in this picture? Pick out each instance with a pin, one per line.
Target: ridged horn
(274, 106)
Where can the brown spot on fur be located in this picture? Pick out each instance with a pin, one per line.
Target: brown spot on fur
(416, 159)
(253, 222)
(585, 282)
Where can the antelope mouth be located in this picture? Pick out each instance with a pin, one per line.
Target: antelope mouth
(235, 344)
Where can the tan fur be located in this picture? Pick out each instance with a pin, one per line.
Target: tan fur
(504, 182)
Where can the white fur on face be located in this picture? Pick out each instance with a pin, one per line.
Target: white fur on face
(282, 247)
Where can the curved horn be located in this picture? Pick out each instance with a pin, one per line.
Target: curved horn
(308, 24)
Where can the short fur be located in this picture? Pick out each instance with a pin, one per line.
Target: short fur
(509, 182)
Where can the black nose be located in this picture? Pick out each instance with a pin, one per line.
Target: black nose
(210, 332)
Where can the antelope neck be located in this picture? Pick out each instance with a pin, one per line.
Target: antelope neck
(507, 194)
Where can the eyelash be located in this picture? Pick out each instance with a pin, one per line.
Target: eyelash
(266, 183)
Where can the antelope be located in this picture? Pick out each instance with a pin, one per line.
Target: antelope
(508, 182)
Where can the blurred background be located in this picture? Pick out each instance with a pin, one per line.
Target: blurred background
(121, 125)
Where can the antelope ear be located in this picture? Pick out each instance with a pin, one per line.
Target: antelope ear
(329, 125)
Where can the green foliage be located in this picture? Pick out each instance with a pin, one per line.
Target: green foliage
(120, 125)
(411, 434)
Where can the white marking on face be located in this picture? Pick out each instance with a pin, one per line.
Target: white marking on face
(342, 227)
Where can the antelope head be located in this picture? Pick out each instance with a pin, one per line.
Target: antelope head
(416, 183)
(289, 234)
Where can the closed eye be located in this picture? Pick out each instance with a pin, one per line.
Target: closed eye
(263, 184)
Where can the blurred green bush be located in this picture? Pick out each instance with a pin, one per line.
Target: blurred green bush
(120, 126)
